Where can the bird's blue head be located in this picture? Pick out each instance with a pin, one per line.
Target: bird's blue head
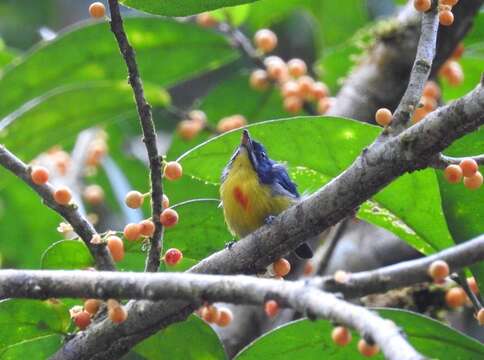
(268, 171)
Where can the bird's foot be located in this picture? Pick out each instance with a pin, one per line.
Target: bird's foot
(229, 244)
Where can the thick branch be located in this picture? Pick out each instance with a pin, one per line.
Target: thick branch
(420, 71)
(70, 213)
(149, 134)
(200, 288)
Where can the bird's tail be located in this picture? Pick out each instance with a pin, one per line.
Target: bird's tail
(304, 251)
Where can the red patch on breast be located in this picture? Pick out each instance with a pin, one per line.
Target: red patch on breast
(241, 198)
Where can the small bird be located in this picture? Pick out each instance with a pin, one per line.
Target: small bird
(254, 189)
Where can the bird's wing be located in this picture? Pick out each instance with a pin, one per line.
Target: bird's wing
(283, 183)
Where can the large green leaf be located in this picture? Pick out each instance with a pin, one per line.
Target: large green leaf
(23, 320)
(67, 255)
(58, 116)
(410, 206)
(39, 348)
(192, 339)
(180, 7)
(167, 52)
(462, 209)
(304, 339)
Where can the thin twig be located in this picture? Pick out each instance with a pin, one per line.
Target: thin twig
(70, 212)
(149, 134)
(460, 278)
(420, 71)
(443, 161)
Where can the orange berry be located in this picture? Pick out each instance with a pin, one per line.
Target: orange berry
(165, 202)
(472, 283)
(422, 5)
(455, 297)
(453, 174)
(290, 88)
(341, 336)
(173, 170)
(469, 167)
(238, 120)
(419, 114)
(265, 40)
(116, 247)
(480, 317)
(210, 314)
(39, 175)
(225, 124)
(431, 89)
(93, 194)
(63, 195)
(446, 18)
(206, 20)
(271, 308)
(449, 2)
(323, 105)
(429, 104)
(297, 67)
(277, 70)
(147, 228)
(341, 276)
(273, 60)
(132, 231)
(259, 80)
(225, 317)
(116, 312)
(306, 84)
(438, 270)
(173, 256)
(188, 129)
(366, 349)
(169, 218)
(82, 319)
(383, 117)
(454, 73)
(293, 104)
(96, 152)
(473, 182)
(134, 199)
(97, 10)
(92, 306)
(458, 51)
(281, 267)
(308, 268)
(199, 117)
(319, 90)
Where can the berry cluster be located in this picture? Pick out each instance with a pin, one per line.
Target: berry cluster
(446, 17)
(428, 102)
(468, 169)
(341, 336)
(197, 121)
(82, 315)
(219, 316)
(295, 85)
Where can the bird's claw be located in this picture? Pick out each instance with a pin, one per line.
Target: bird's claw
(229, 244)
(269, 220)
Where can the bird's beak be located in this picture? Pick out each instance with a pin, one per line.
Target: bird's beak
(246, 140)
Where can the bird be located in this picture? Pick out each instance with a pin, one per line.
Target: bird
(254, 189)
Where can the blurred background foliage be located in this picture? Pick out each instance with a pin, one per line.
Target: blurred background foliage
(61, 73)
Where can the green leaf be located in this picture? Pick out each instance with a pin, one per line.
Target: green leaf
(200, 231)
(463, 211)
(409, 207)
(67, 255)
(23, 320)
(39, 348)
(58, 116)
(190, 339)
(304, 339)
(167, 52)
(180, 7)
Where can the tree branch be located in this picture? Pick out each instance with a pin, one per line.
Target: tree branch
(70, 212)
(420, 70)
(201, 288)
(149, 134)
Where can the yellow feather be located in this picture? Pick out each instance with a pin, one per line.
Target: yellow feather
(246, 202)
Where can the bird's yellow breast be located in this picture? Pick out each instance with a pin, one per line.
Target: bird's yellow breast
(246, 202)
